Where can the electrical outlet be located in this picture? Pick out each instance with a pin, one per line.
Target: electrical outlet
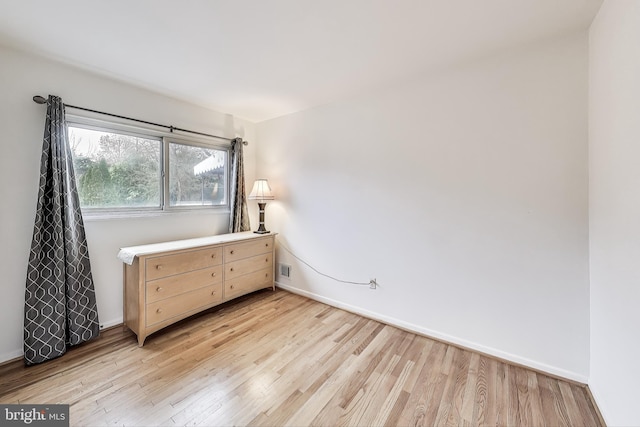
(373, 284)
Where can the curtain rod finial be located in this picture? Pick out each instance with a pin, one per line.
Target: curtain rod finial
(39, 99)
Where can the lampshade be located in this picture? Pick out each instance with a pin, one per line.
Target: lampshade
(261, 191)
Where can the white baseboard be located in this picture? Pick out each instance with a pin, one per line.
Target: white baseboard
(110, 323)
(400, 324)
(552, 370)
(596, 397)
(11, 355)
(19, 353)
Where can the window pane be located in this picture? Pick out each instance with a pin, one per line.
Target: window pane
(115, 170)
(196, 176)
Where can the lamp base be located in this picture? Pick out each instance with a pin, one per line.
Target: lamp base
(261, 229)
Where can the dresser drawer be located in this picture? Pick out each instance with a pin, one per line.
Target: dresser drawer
(177, 284)
(169, 265)
(247, 249)
(248, 265)
(248, 283)
(180, 304)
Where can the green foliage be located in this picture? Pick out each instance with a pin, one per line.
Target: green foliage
(124, 171)
(96, 187)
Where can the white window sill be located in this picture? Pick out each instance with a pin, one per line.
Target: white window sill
(120, 215)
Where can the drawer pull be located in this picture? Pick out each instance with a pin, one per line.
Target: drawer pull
(266, 245)
(159, 267)
(159, 288)
(231, 269)
(213, 255)
(266, 260)
(159, 311)
(213, 292)
(266, 274)
(213, 274)
(232, 286)
(231, 252)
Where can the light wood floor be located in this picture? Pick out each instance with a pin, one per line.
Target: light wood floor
(275, 358)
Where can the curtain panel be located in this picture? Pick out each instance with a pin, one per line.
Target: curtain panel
(239, 218)
(60, 304)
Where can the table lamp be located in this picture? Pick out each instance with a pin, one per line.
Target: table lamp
(261, 192)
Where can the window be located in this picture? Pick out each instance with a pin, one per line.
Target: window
(197, 176)
(114, 170)
(124, 170)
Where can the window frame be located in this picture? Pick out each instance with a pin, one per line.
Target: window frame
(164, 138)
(166, 170)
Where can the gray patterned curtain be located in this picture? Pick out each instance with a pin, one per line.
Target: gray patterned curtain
(60, 305)
(239, 220)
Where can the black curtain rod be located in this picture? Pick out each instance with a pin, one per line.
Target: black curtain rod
(41, 100)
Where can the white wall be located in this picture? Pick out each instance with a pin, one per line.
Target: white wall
(614, 210)
(464, 192)
(22, 124)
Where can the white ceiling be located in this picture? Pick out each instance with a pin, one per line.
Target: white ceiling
(260, 59)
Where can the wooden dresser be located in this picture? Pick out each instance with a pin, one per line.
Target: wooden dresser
(167, 282)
